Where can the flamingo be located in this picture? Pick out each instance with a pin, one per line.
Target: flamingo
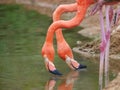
(65, 53)
(105, 35)
(64, 50)
(66, 84)
(62, 47)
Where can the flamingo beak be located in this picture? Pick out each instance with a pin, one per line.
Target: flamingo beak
(74, 64)
(51, 67)
(55, 72)
(81, 66)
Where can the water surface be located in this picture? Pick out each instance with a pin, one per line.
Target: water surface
(29, 73)
(22, 34)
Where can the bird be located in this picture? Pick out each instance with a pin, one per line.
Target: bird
(63, 48)
(65, 53)
(111, 16)
(67, 81)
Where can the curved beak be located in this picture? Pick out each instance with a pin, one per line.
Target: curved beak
(51, 67)
(73, 64)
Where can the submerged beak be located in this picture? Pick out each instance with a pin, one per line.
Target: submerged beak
(51, 67)
(74, 65)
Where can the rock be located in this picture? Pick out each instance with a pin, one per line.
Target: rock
(114, 84)
(91, 32)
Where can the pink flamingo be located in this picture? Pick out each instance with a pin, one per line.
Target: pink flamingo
(66, 84)
(64, 50)
(105, 34)
(62, 46)
(65, 53)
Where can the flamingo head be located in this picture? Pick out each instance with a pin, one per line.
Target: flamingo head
(73, 64)
(51, 67)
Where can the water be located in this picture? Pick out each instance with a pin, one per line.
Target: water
(22, 34)
(28, 73)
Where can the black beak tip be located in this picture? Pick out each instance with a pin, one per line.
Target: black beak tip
(81, 67)
(56, 72)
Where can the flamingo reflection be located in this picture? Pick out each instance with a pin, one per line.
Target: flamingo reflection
(67, 82)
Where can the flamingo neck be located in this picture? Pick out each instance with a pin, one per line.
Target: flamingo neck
(59, 35)
(81, 11)
(50, 34)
